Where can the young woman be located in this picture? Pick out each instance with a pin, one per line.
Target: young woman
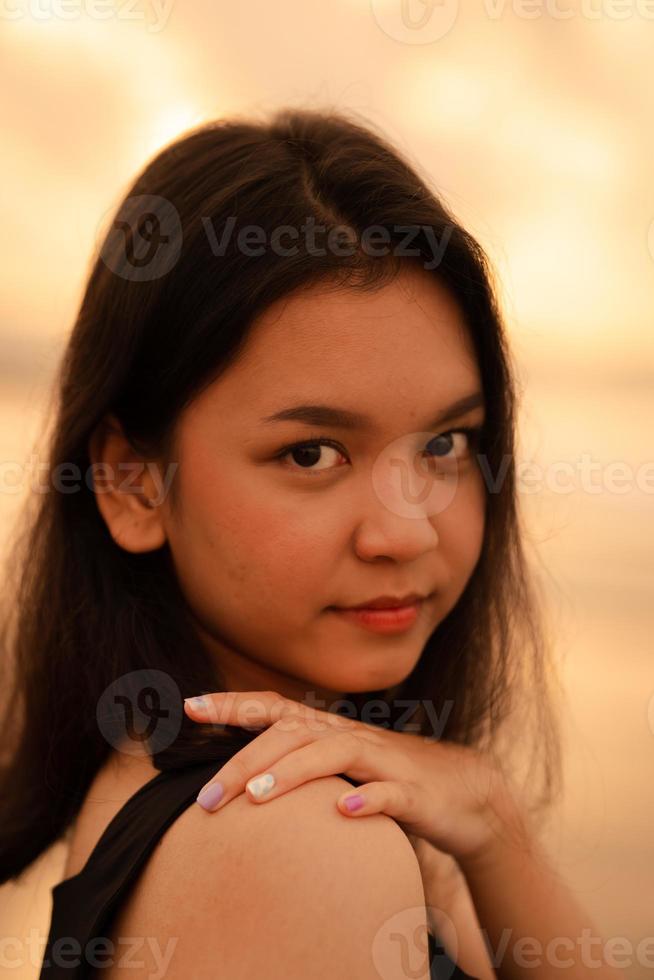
(287, 393)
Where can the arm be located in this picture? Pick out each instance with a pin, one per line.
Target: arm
(534, 925)
(446, 892)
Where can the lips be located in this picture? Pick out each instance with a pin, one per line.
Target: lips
(389, 602)
(388, 619)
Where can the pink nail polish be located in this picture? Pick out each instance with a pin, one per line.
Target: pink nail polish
(354, 802)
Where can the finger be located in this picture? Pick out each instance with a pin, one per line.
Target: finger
(395, 798)
(342, 752)
(261, 753)
(244, 709)
(254, 710)
(412, 808)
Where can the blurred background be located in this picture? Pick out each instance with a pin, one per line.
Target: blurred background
(534, 121)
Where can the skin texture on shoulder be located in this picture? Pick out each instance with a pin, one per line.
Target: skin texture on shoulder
(292, 890)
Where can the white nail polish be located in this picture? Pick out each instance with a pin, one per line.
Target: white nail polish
(261, 785)
(198, 704)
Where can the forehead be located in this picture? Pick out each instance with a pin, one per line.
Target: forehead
(407, 339)
(414, 312)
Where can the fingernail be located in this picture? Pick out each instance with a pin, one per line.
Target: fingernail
(198, 704)
(210, 796)
(353, 802)
(261, 785)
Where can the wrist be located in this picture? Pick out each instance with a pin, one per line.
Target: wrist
(509, 835)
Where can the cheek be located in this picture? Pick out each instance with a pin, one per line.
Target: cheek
(461, 526)
(240, 541)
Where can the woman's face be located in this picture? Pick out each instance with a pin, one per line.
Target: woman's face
(263, 546)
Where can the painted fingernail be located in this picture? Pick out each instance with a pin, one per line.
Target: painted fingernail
(210, 796)
(261, 785)
(354, 802)
(198, 704)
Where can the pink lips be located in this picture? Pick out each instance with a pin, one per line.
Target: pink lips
(388, 601)
(388, 620)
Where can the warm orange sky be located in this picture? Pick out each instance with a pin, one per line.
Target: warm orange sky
(537, 130)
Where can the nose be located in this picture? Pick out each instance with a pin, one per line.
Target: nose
(397, 516)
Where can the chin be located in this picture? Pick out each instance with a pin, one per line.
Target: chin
(376, 681)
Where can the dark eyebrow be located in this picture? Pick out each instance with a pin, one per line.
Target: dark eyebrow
(341, 418)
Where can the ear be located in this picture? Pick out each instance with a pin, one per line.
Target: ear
(124, 488)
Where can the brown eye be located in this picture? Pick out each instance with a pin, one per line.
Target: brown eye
(440, 447)
(307, 454)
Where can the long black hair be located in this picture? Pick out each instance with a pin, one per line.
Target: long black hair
(82, 613)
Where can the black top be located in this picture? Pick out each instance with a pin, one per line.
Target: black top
(84, 905)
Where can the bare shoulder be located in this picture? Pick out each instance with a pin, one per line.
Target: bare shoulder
(290, 888)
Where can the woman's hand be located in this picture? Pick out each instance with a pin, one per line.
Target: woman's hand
(451, 795)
